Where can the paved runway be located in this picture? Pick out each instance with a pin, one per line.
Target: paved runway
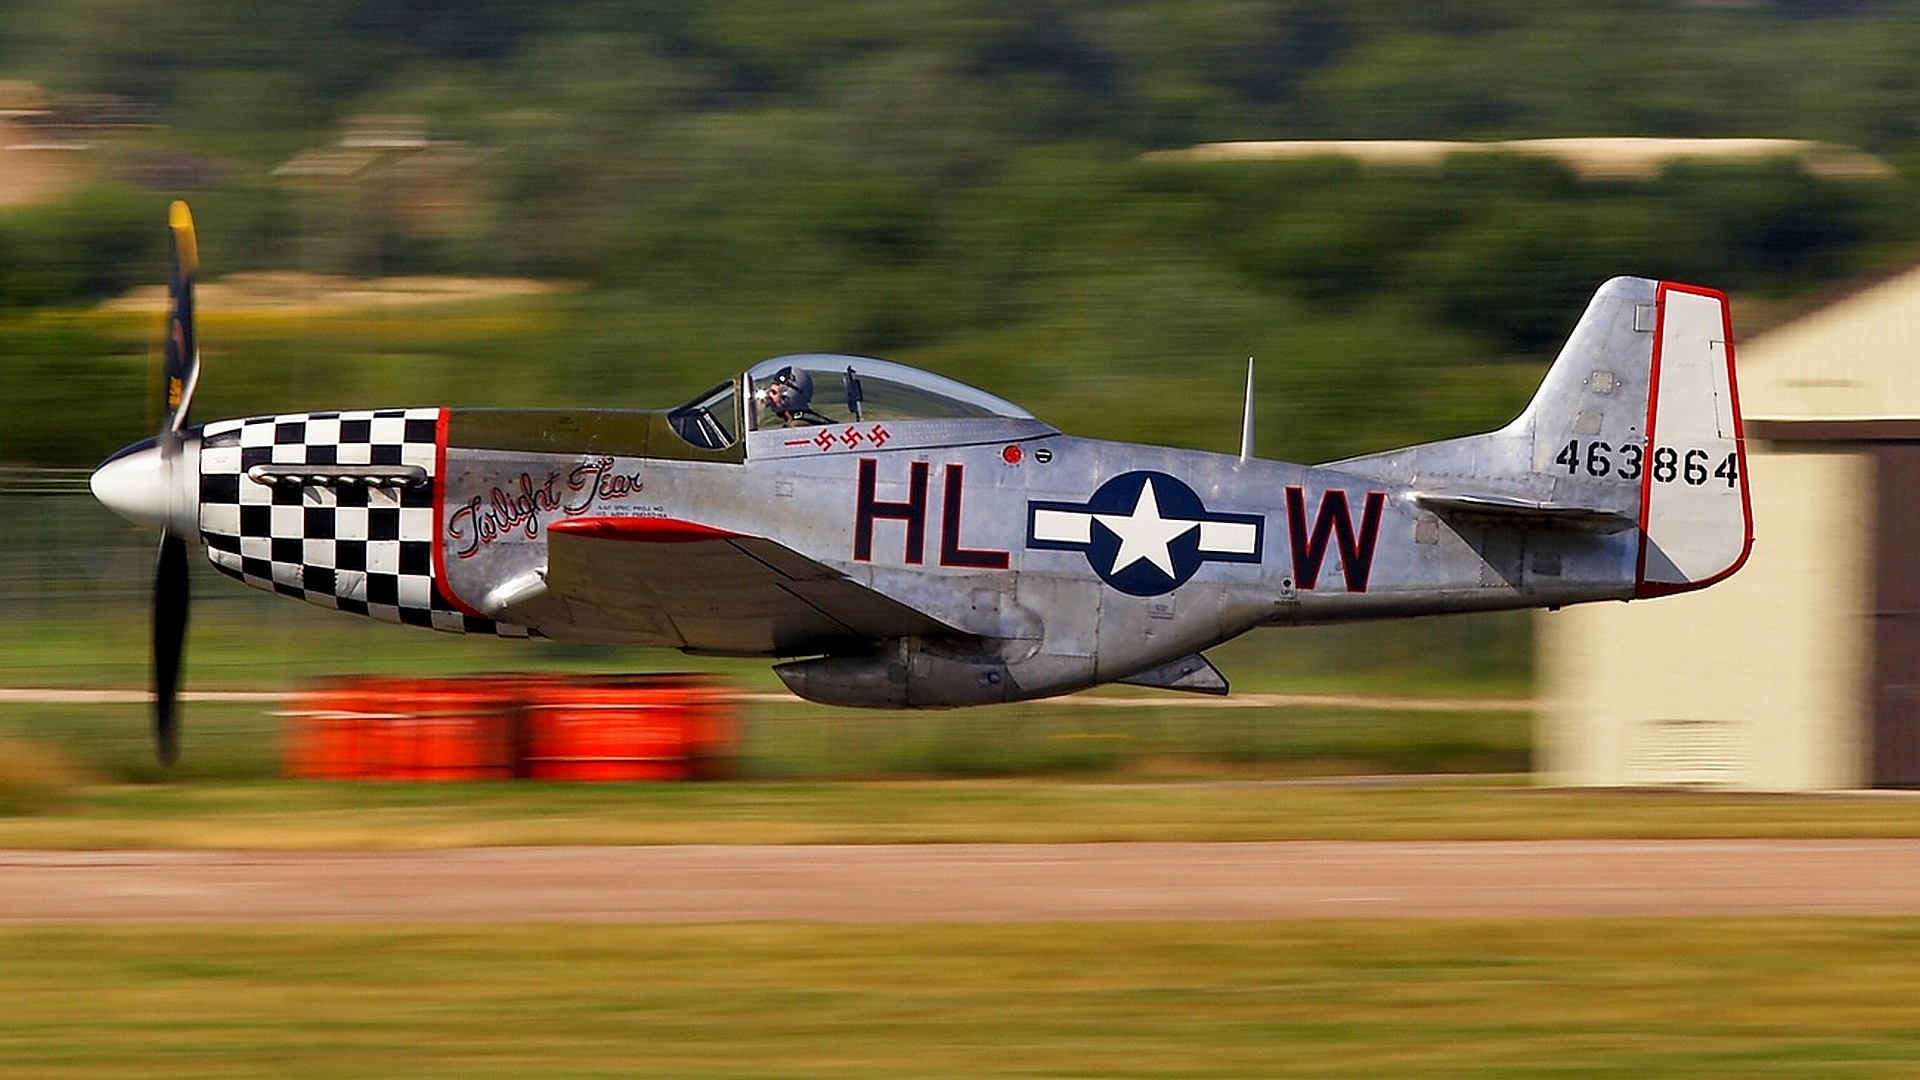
(972, 882)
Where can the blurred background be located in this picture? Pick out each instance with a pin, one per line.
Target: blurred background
(621, 202)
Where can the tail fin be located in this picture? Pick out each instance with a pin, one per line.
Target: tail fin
(1636, 425)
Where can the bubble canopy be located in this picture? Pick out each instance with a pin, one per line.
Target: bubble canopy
(829, 388)
(852, 388)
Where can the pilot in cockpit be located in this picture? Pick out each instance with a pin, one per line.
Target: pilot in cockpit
(789, 395)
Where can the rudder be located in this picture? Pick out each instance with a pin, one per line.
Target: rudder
(1696, 517)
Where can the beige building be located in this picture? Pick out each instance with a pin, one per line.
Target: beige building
(1801, 672)
(1589, 158)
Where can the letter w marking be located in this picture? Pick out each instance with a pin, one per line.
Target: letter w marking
(1333, 521)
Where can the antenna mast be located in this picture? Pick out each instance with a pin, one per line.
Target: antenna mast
(1246, 417)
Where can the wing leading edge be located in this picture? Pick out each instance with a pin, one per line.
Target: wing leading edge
(678, 584)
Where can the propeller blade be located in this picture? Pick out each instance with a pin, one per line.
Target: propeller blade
(170, 593)
(181, 369)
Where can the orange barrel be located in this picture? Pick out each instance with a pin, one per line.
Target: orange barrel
(666, 730)
(354, 733)
(412, 729)
(613, 728)
(514, 696)
(385, 750)
(303, 754)
(636, 727)
(329, 734)
(701, 721)
(642, 736)
(312, 735)
(384, 707)
(457, 729)
(385, 728)
(564, 735)
(712, 739)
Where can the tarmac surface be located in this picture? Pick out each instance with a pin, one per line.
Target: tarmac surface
(972, 882)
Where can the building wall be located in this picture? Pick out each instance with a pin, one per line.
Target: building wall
(1895, 679)
(1759, 683)
(1853, 360)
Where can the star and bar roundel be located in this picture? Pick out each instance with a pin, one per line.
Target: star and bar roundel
(1145, 533)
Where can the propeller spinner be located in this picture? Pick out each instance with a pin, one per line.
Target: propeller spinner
(155, 483)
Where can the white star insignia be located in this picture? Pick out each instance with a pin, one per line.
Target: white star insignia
(1144, 534)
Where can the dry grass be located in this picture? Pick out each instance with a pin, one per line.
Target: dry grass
(1627, 998)
(385, 816)
(37, 778)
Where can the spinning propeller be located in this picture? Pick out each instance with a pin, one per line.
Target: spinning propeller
(155, 483)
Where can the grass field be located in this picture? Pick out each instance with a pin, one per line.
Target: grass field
(782, 739)
(386, 816)
(1156, 767)
(76, 619)
(1625, 998)
(1601, 999)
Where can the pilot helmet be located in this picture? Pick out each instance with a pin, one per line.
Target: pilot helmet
(790, 391)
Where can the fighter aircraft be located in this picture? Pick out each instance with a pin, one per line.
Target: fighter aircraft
(902, 540)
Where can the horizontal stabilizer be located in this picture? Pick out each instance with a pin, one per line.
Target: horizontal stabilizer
(1523, 512)
(1193, 673)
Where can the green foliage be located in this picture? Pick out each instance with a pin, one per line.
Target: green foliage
(956, 183)
(94, 244)
(70, 393)
(1142, 72)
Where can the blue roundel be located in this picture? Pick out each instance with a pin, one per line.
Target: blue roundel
(1144, 533)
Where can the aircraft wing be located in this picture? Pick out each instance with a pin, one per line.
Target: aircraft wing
(687, 586)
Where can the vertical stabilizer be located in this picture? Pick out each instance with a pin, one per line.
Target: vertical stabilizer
(1578, 450)
(1636, 426)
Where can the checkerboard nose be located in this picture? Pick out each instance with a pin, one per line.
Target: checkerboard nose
(147, 487)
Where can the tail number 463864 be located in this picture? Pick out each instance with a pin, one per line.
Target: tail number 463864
(1692, 466)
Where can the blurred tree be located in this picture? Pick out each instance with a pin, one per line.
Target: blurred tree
(959, 181)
